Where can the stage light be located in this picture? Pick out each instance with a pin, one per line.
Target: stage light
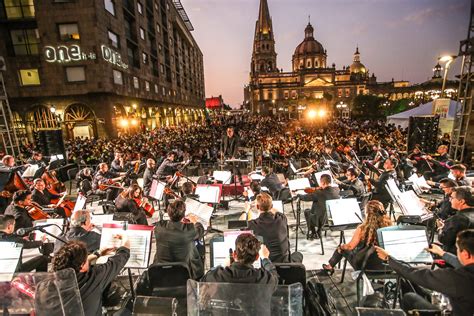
(322, 113)
(312, 114)
(134, 122)
(123, 123)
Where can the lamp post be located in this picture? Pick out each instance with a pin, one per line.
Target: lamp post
(448, 60)
(341, 106)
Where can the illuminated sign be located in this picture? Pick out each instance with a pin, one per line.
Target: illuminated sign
(65, 54)
(113, 57)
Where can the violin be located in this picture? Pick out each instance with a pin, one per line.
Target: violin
(311, 190)
(147, 207)
(168, 191)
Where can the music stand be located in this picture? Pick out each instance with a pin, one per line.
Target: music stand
(211, 194)
(297, 186)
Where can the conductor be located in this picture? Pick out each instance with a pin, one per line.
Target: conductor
(229, 147)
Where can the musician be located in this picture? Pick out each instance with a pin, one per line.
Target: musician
(84, 181)
(353, 183)
(18, 208)
(81, 229)
(330, 154)
(380, 154)
(364, 236)
(105, 177)
(148, 176)
(317, 216)
(271, 181)
(459, 174)
(126, 202)
(7, 228)
(206, 177)
(381, 194)
(444, 206)
(462, 200)
(240, 270)
(37, 159)
(273, 227)
(229, 150)
(440, 166)
(118, 164)
(168, 167)
(94, 280)
(415, 158)
(43, 197)
(175, 239)
(457, 284)
(187, 191)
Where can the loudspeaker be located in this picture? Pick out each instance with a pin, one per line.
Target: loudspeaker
(50, 142)
(423, 131)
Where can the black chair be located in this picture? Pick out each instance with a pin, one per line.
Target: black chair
(289, 273)
(284, 195)
(164, 280)
(71, 176)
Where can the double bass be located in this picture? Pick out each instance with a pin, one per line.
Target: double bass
(53, 185)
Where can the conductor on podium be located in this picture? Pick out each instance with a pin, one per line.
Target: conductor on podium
(229, 148)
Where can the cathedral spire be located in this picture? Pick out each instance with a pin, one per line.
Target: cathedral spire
(264, 19)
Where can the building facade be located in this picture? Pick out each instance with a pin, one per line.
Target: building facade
(99, 67)
(312, 83)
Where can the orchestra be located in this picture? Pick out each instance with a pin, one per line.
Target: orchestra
(346, 165)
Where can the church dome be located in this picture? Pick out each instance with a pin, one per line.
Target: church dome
(309, 46)
(357, 66)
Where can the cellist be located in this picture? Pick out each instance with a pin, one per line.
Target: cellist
(44, 198)
(18, 208)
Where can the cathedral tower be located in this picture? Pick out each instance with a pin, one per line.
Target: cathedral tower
(264, 55)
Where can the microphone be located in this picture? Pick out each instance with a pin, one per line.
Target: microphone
(24, 231)
(231, 257)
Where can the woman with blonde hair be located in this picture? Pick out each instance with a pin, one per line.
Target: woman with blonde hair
(363, 240)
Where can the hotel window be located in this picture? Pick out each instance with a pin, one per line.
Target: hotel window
(69, 32)
(18, 9)
(140, 8)
(147, 86)
(75, 74)
(29, 77)
(348, 92)
(162, 68)
(114, 39)
(136, 84)
(158, 29)
(145, 58)
(163, 91)
(110, 6)
(156, 88)
(142, 34)
(118, 77)
(25, 42)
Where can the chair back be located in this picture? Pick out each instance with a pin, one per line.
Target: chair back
(284, 195)
(289, 273)
(71, 173)
(168, 274)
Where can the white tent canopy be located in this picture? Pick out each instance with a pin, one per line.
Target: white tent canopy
(422, 110)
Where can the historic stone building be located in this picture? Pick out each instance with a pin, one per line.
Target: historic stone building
(97, 67)
(312, 83)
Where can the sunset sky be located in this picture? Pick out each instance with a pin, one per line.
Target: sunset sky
(399, 39)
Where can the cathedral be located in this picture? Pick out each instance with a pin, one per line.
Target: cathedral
(312, 84)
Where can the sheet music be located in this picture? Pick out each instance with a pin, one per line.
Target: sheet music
(407, 245)
(208, 193)
(221, 249)
(419, 183)
(343, 211)
(30, 171)
(157, 189)
(55, 230)
(292, 167)
(278, 205)
(256, 176)
(11, 253)
(140, 237)
(392, 185)
(411, 203)
(223, 176)
(100, 220)
(80, 203)
(299, 184)
(202, 211)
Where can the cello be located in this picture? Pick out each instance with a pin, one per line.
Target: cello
(53, 185)
(147, 207)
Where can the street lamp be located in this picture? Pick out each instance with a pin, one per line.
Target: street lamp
(448, 60)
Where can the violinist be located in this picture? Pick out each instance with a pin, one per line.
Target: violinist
(440, 166)
(187, 190)
(330, 154)
(43, 197)
(118, 164)
(37, 159)
(381, 194)
(18, 208)
(148, 175)
(271, 181)
(126, 202)
(168, 167)
(353, 183)
(84, 181)
(108, 178)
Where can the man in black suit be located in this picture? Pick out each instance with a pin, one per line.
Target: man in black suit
(317, 216)
(273, 227)
(175, 239)
(81, 230)
(43, 197)
(462, 200)
(229, 149)
(7, 228)
(457, 284)
(247, 250)
(444, 207)
(21, 200)
(104, 176)
(353, 183)
(271, 182)
(148, 176)
(381, 194)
